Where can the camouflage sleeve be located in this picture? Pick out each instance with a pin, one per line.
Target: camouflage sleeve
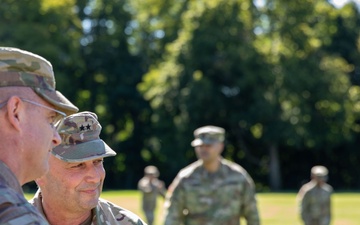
(174, 203)
(109, 213)
(328, 218)
(14, 209)
(162, 190)
(249, 208)
(327, 207)
(144, 185)
(303, 205)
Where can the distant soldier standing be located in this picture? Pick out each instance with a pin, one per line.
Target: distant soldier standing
(151, 187)
(212, 190)
(314, 198)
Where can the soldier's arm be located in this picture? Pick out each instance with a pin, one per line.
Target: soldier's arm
(144, 185)
(327, 207)
(304, 206)
(162, 188)
(174, 204)
(249, 209)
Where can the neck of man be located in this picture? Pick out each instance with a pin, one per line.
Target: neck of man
(13, 159)
(19, 170)
(60, 216)
(212, 166)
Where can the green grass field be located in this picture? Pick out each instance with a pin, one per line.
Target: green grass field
(275, 208)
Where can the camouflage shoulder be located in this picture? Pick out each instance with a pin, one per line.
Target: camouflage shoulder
(16, 209)
(111, 213)
(188, 170)
(9, 196)
(328, 188)
(236, 168)
(306, 188)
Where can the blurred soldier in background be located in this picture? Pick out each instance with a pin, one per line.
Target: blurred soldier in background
(151, 187)
(212, 190)
(29, 108)
(314, 198)
(69, 193)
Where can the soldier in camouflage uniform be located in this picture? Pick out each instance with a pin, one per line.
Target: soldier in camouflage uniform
(151, 187)
(69, 193)
(314, 198)
(212, 190)
(29, 108)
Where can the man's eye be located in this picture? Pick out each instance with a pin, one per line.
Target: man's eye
(97, 162)
(77, 165)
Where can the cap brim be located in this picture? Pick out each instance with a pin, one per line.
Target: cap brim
(199, 141)
(58, 100)
(84, 151)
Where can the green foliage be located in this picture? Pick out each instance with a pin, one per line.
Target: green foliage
(282, 79)
(39, 26)
(112, 74)
(279, 89)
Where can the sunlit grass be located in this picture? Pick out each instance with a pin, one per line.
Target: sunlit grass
(274, 208)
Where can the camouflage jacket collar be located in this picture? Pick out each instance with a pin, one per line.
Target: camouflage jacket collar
(8, 178)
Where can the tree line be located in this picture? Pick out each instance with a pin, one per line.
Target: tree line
(282, 77)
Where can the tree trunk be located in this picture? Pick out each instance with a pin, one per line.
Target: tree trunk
(274, 169)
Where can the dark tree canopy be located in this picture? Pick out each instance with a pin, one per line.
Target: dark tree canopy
(282, 79)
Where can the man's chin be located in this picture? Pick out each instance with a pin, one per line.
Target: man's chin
(91, 204)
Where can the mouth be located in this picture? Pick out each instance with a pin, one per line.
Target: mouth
(91, 190)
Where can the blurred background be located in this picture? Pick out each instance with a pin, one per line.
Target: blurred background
(282, 77)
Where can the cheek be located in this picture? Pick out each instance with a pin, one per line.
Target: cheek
(40, 136)
(61, 179)
(102, 173)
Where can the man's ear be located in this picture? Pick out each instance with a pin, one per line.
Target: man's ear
(15, 111)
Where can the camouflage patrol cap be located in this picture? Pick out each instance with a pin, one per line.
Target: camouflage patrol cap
(80, 139)
(208, 135)
(23, 68)
(151, 170)
(319, 171)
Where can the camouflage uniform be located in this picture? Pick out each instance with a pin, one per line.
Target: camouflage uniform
(151, 187)
(315, 201)
(19, 68)
(14, 208)
(105, 213)
(197, 197)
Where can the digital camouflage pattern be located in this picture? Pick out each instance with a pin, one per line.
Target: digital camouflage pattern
(80, 139)
(315, 203)
(197, 197)
(208, 135)
(25, 69)
(105, 213)
(14, 208)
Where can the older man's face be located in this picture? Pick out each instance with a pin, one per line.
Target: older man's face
(73, 186)
(39, 136)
